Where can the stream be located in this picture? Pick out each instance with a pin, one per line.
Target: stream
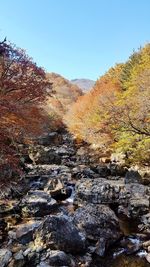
(70, 210)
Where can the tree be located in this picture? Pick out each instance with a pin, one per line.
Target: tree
(23, 86)
(116, 113)
(131, 118)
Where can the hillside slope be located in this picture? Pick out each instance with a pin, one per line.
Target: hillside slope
(83, 84)
(63, 94)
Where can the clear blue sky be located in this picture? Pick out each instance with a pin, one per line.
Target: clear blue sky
(76, 38)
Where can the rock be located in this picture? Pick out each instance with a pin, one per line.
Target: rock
(87, 173)
(16, 247)
(37, 203)
(62, 194)
(12, 234)
(8, 206)
(33, 259)
(58, 190)
(27, 251)
(12, 219)
(53, 185)
(59, 258)
(24, 232)
(5, 256)
(133, 177)
(82, 171)
(148, 257)
(88, 232)
(118, 158)
(145, 174)
(65, 152)
(59, 232)
(101, 247)
(116, 169)
(18, 255)
(14, 263)
(36, 182)
(101, 191)
(42, 155)
(138, 203)
(103, 171)
(50, 171)
(146, 244)
(81, 151)
(137, 207)
(138, 190)
(100, 224)
(86, 260)
(19, 260)
(104, 160)
(131, 244)
(144, 225)
(52, 138)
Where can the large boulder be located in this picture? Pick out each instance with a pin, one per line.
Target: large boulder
(100, 225)
(59, 232)
(37, 203)
(101, 191)
(132, 198)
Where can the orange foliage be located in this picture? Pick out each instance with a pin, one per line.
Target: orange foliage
(22, 87)
(88, 117)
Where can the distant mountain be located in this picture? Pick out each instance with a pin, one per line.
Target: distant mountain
(83, 84)
(63, 94)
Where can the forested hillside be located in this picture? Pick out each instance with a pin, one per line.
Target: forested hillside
(63, 94)
(32, 103)
(115, 114)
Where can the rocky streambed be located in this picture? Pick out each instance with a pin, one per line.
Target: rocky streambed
(71, 210)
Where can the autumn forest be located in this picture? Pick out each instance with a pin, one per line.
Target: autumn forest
(114, 115)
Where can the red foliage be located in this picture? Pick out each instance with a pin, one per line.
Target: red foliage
(23, 86)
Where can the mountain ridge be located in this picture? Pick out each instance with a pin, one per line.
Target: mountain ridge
(83, 83)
